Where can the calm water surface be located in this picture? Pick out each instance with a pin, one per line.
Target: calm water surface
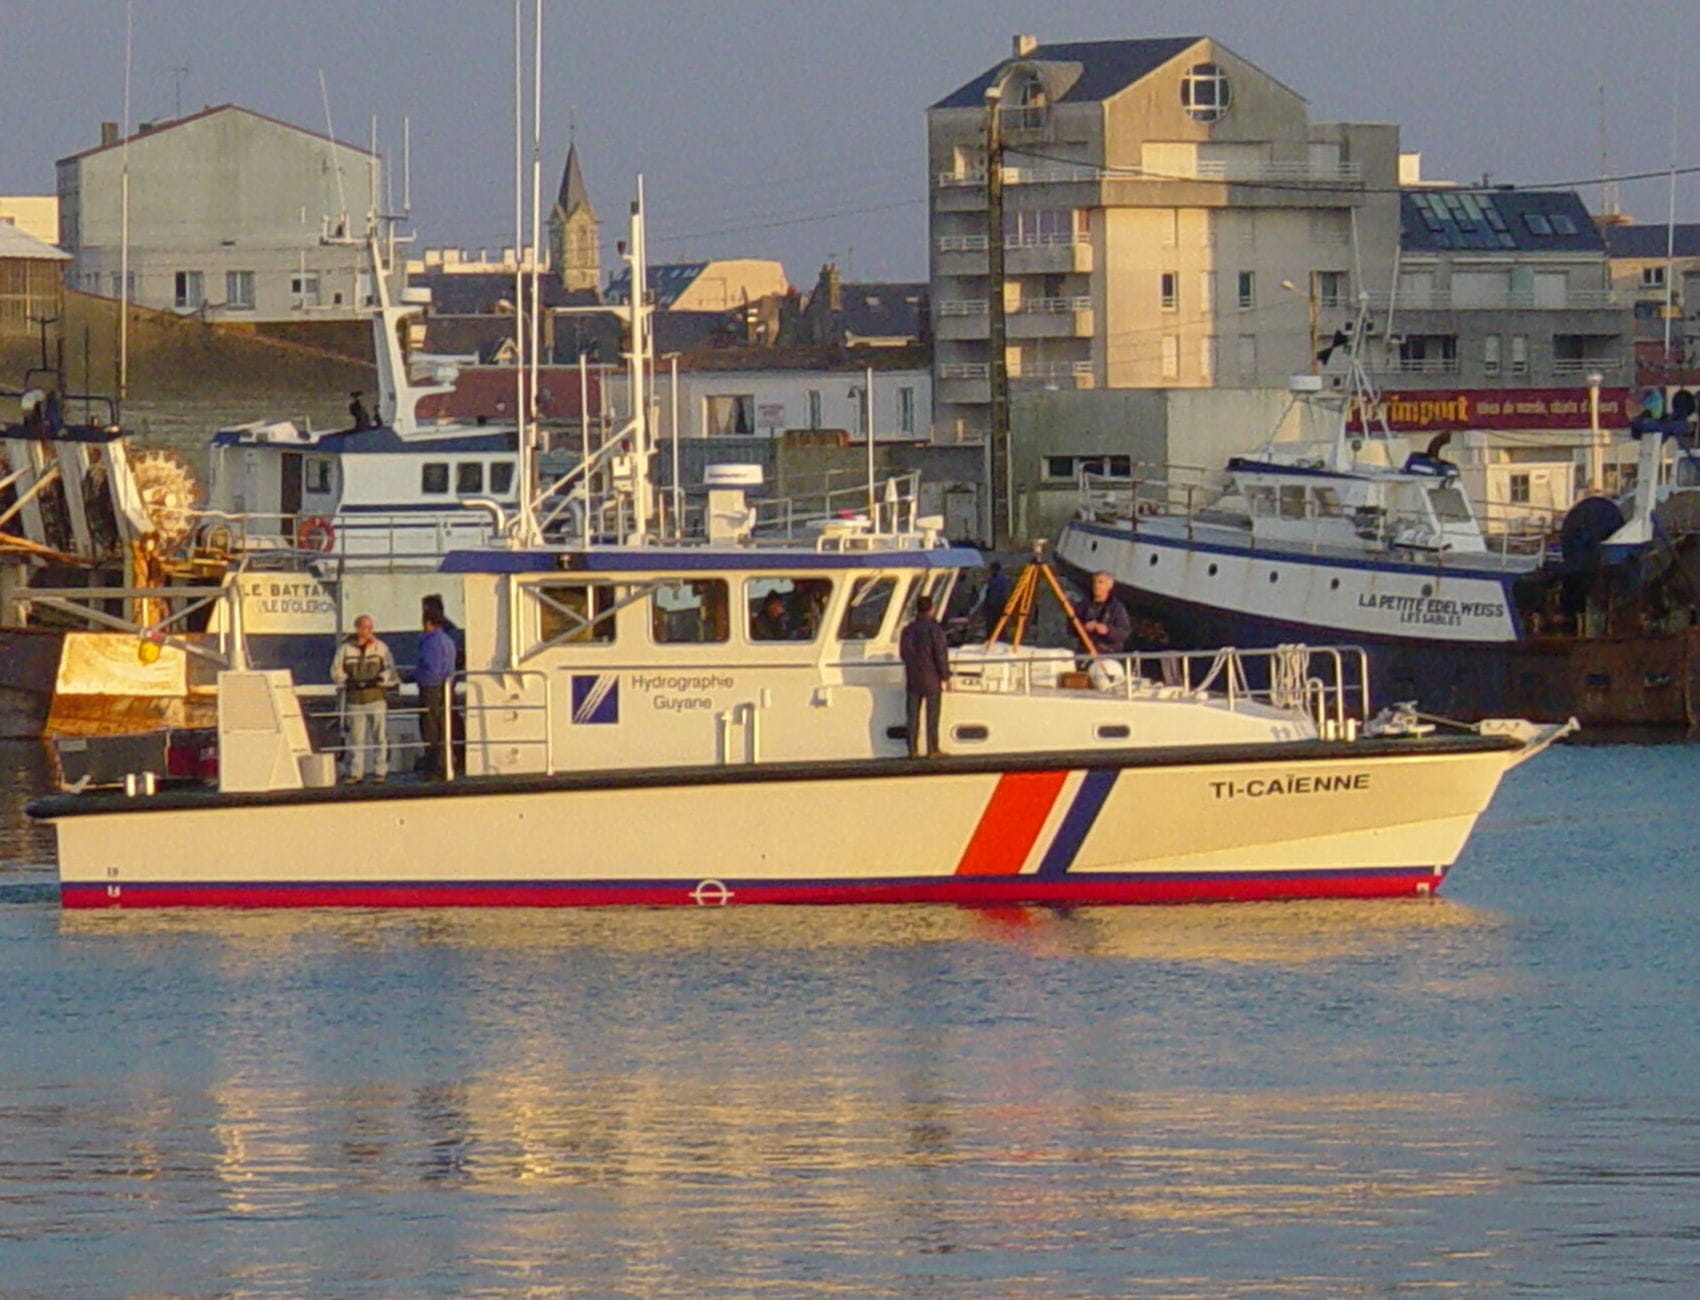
(1490, 1092)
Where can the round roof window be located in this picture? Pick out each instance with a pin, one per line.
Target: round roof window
(1205, 93)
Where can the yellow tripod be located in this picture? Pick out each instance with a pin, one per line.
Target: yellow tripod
(1019, 607)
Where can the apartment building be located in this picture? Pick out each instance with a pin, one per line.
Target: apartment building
(1172, 219)
(1500, 288)
(228, 210)
(1651, 268)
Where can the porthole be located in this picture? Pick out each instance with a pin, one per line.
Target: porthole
(1113, 731)
(1273, 576)
(1428, 589)
(1152, 561)
(897, 733)
(970, 732)
(1094, 546)
(1211, 571)
(1334, 584)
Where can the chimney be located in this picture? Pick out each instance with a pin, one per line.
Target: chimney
(1025, 45)
(108, 133)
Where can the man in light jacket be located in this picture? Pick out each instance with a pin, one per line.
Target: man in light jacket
(365, 669)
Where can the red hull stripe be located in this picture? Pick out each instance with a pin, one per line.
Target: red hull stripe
(1010, 823)
(1178, 887)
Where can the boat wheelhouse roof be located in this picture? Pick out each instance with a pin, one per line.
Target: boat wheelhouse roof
(649, 559)
(379, 441)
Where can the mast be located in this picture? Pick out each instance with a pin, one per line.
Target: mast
(639, 359)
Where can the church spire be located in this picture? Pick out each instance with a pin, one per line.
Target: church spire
(574, 242)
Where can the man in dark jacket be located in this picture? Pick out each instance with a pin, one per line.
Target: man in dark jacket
(1104, 617)
(926, 673)
(433, 670)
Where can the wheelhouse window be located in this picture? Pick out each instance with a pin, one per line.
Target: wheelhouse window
(786, 609)
(501, 478)
(690, 613)
(575, 613)
(316, 474)
(469, 478)
(870, 598)
(434, 478)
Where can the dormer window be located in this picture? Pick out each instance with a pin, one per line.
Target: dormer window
(1028, 105)
(1205, 93)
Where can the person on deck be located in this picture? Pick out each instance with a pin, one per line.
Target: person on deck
(1104, 617)
(926, 675)
(365, 669)
(995, 596)
(362, 417)
(434, 671)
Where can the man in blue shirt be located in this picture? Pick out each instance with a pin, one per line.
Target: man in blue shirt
(432, 671)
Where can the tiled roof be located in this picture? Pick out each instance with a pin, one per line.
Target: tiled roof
(1106, 67)
(1529, 221)
(891, 310)
(464, 293)
(1653, 241)
(667, 283)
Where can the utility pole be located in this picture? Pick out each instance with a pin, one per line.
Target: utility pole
(1000, 480)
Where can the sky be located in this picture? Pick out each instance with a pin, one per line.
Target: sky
(797, 130)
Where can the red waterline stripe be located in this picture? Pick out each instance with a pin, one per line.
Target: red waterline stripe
(1180, 887)
(1010, 823)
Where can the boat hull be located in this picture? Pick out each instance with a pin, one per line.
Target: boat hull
(1299, 820)
(1648, 680)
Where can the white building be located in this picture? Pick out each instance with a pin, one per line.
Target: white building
(771, 402)
(228, 212)
(1172, 219)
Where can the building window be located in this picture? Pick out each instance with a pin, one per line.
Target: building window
(1169, 291)
(1490, 355)
(469, 478)
(1429, 354)
(1519, 489)
(1207, 292)
(1519, 354)
(1248, 356)
(692, 612)
(1171, 356)
(239, 290)
(906, 410)
(1207, 361)
(1205, 93)
(1248, 289)
(730, 414)
(1652, 277)
(304, 289)
(1068, 469)
(434, 478)
(814, 408)
(1330, 289)
(189, 294)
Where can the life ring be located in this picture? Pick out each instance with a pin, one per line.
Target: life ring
(314, 533)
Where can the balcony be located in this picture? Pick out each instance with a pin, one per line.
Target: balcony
(1054, 374)
(1051, 318)
(1058, 254)
(1418, 366)
(1443, 300)
(1574, 366)
(965, 383)
(961, 318)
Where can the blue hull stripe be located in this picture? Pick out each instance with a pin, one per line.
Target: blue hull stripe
(1088, 802)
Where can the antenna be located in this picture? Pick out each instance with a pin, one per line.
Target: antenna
(1609, 201)
(178, 73)
(124, 223)
(336, 155)
(406, 168)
